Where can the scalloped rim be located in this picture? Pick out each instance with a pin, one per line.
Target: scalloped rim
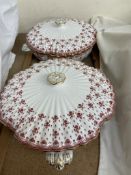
(58, 149)
(62, 54)
(66, 147)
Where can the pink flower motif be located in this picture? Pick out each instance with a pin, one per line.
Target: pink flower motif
(110, 87)
(10, 120)
(55, 118)
(79, 138)
(101, 104)
(30, 110)
(108, 109)
(105, 91)
(44, 142)
(81, 106)
(17, 126)
(91, 80)
(111, 102)
(41, 116)
(95, 122)
(92, 75)
(20, 79)
(15, 99)
(32, 140)
(88, 97)
(71, 114)
(79, 115)
(67, 141)
(97, 95)
(10, 109)
(90, 105)
(21, 110)
(37, 70)
(76, 128)
(21, 120)
(97, 84)
(92, 88)
(31, 119)
(11, 84)
(65, 123)
(101, 114)
(91, 117)
(111, 94)
(28, 76)
(90, 132)
(15, 88)
(35, 131)
(101, 80)
(56, 143)
(19, 93)
(22, 134)
(50, 45)
(55, 133)
(22, 101)
(47, 124)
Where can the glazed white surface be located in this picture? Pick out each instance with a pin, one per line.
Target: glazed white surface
(73, 38)
(66, 31)
(53, 132)
(56, 99)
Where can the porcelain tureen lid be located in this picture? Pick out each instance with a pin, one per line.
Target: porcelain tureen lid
(50, 115)
(61, 37)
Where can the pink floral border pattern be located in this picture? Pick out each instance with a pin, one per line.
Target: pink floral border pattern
(64, 47)
(56, 133)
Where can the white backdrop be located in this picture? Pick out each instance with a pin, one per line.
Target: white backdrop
(8, 31)
(33, 11)
(114, 42)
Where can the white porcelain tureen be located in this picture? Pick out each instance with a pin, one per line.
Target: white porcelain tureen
(61, 38)
(57, 105)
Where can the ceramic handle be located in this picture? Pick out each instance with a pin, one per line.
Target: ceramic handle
(59, 159)
(55, 78)
(25, 48)
(60, 22)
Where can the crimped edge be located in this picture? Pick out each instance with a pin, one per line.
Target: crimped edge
(59, 149)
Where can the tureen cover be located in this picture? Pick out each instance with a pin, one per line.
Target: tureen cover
(71, 38)
(55, 117)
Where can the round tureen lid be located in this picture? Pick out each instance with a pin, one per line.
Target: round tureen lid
(61, 37)
(57, 104)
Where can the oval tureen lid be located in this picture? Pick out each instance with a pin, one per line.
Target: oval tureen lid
(57, 104)
(61, 37)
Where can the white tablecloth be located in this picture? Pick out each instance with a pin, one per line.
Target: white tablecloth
(114, 42)
(8, 31)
